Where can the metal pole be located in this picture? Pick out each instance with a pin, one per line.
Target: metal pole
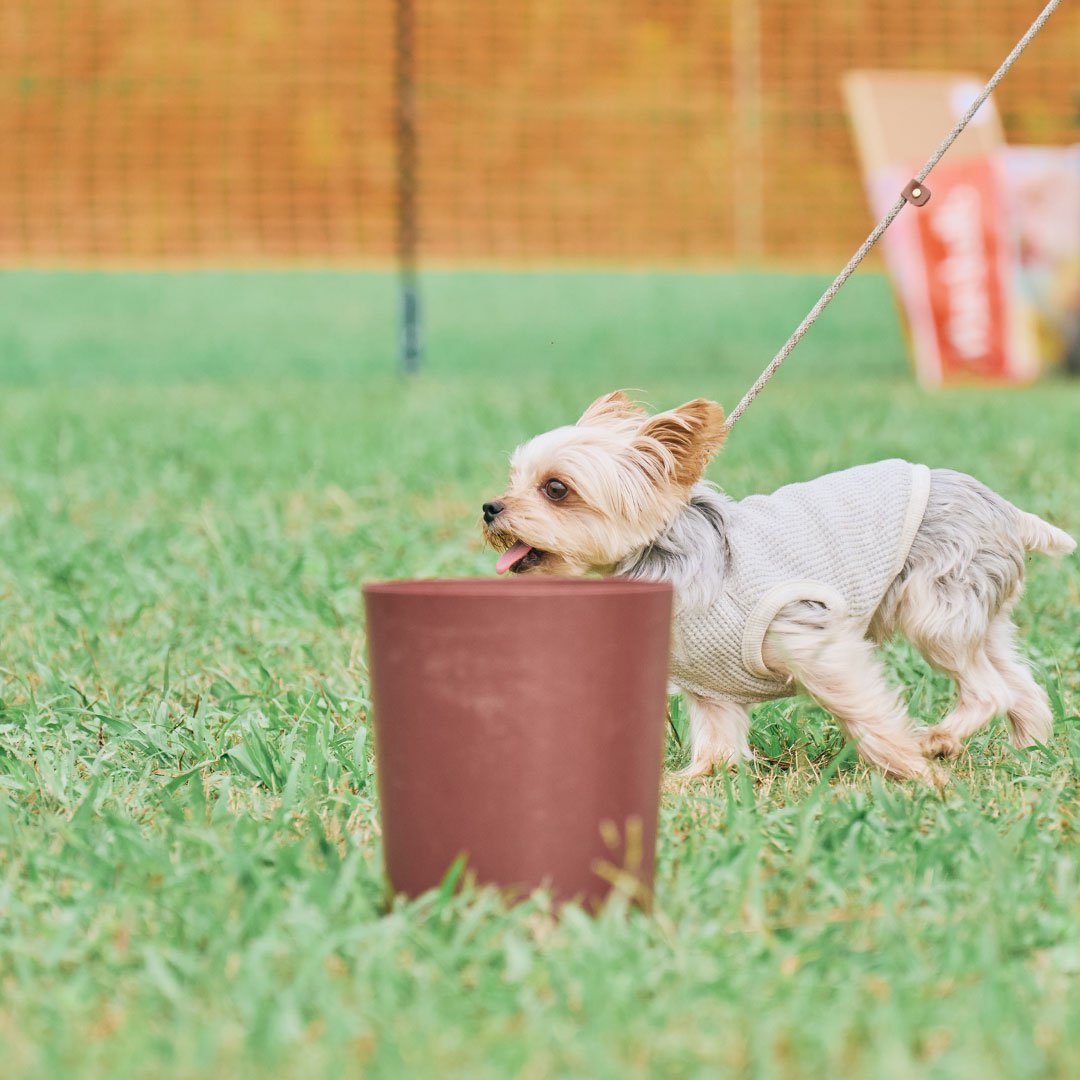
(407, 229)
(746, 97)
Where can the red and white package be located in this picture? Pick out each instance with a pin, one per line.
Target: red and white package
(955, 266)
(955, 261)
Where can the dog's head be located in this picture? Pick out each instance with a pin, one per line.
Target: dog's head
(583, 498)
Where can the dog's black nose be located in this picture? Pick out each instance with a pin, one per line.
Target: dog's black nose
(492, 510)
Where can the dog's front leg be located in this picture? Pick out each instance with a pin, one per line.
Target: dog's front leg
(839, 669)
(718, 735)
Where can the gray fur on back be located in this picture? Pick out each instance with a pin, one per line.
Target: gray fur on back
(967, 556)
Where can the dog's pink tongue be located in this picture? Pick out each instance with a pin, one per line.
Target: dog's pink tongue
(512, 556)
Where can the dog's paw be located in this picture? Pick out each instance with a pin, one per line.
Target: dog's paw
(937, 743)
(697, 770)
(937, 777)
(700, 768)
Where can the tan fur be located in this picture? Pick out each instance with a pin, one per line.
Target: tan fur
(835, 664)
(718, 735)
(941, 744)
(628, 475)
(691, 435)
(613, 407)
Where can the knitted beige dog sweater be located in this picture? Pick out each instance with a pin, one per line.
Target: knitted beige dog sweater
(839, 540)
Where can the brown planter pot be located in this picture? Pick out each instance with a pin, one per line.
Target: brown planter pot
(519, 724)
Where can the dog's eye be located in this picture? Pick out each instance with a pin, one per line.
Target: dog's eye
(555, 490)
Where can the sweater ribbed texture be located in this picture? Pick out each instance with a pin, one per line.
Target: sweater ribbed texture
(839, 540)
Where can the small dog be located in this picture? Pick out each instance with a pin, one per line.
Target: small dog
(790, 590)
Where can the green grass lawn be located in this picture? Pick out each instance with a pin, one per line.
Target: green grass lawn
(198, 472)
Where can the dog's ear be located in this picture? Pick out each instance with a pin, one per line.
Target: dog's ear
(615, 407)
(690, 434)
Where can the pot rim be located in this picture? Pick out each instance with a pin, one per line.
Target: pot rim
(517, 588)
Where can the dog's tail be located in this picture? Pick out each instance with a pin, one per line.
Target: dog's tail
(1039, 535)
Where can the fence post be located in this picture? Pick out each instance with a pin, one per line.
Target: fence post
(406, 140)
(748, 128)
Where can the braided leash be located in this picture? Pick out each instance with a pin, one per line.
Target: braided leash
(916, 193)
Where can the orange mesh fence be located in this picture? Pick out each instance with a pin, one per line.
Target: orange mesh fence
(625, 131)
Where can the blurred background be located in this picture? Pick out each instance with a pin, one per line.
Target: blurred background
(642, 132)
(671, 134)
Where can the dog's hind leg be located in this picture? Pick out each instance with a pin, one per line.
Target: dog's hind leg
(982, 694)
(963, 573)
(718, 735)
(1030, 718)
(840, 670)
(952, 630)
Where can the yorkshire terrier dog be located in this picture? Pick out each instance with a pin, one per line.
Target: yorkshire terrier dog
(792, 590)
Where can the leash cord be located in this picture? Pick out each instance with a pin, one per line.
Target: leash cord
(887, 220)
